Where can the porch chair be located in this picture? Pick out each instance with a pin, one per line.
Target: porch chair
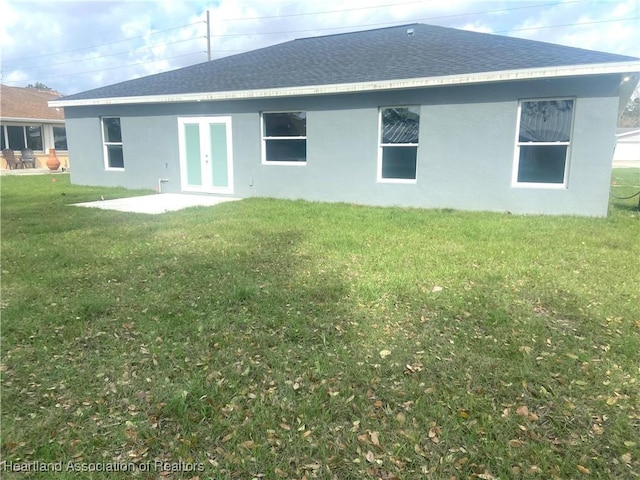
(28, 158)
(10, 158)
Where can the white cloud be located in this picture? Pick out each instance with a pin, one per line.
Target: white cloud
(129, 39)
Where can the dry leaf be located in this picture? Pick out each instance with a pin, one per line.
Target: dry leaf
(436, 288)
(385, 353)
(583, 470)
(523, 411)
(486, 476)
(374, 438)
(626, 458)
(369, 456)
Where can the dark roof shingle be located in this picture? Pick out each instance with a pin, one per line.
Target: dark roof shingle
(364, 56)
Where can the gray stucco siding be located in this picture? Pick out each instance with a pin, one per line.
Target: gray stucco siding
(465, 154)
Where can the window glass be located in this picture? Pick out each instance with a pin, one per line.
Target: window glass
(112, 131)
(544, 138)
(116, 159)
(400, 125)
(399, 133)
(60, 138)
(16, 137)
(542, 163)
(286, 150)
(546, 121)
(3, 142)
(34, 138)
(285, 137)
(113, 142)
(286, 124)
(399, 162)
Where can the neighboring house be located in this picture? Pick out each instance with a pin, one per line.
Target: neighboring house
(414, 115)
(27, 121)
(627, 145)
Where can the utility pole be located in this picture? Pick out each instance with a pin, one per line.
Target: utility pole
(208, 37)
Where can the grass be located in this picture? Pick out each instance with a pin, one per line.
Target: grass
(288, 339)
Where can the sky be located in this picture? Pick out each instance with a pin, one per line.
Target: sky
(73, 46)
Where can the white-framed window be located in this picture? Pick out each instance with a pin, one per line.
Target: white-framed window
(112, 140)
(398, 144)
(19, 137)
(543, 143)
(284, 138)
(59, 138)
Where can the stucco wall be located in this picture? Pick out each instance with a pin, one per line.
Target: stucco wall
(465, 154)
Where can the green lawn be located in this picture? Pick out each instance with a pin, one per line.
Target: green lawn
(287, 339)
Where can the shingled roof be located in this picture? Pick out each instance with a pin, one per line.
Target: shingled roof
(22, 104)
(414, 51)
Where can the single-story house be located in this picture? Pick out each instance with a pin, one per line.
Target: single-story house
(27, 121)
(414, 115)
(627, 145)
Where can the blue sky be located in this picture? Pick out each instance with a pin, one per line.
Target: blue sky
(74, 46)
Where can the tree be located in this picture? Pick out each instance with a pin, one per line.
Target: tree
(40, 86)
(630, 118)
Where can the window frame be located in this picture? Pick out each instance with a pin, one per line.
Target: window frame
(25, 136)
(382, 146)
(264, 138)
(518, 145)
(105, 144)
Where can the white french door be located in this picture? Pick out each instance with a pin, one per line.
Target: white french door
(206, 157)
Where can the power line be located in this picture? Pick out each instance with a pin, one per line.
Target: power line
(402, 5)
(137, 50)
(103, 44)
(568, 25)
(122, 66)
(314, 30)
(237, 19)
(300, 31)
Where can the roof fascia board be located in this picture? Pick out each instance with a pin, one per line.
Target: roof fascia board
(424, 82)
(30, 120)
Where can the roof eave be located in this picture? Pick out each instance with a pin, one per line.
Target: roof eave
(399, 84)
(32, 120)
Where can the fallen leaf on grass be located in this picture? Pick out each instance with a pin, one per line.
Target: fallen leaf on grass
(384, 353)
(374, 438)
(523, 411)
(436, 288)
(583, 470)
(626, 458)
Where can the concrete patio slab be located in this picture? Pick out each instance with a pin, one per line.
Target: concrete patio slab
(157, 203)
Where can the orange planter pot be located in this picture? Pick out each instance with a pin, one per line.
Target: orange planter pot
(52, 162)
